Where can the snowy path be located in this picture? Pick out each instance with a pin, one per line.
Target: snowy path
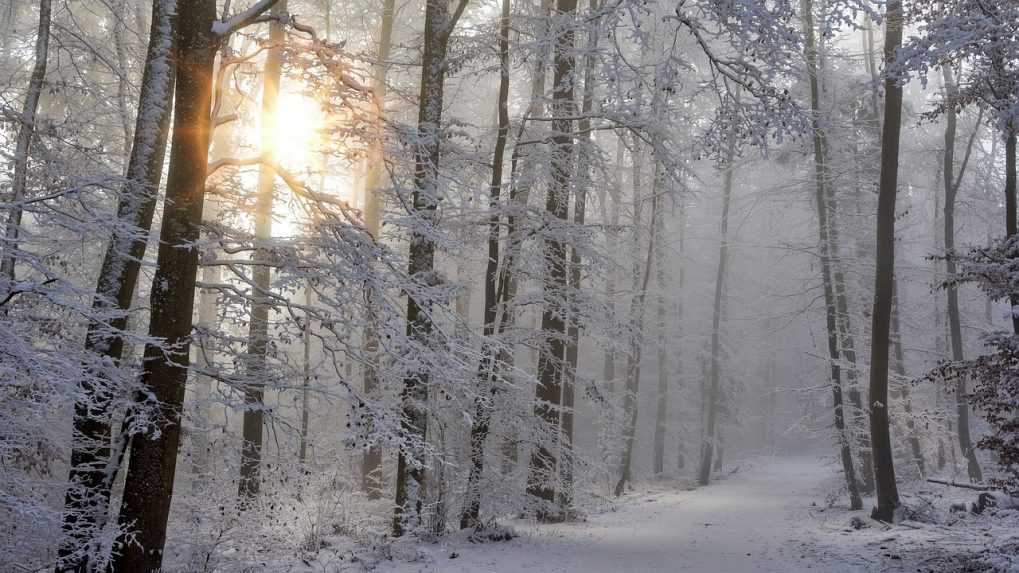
(749, 522)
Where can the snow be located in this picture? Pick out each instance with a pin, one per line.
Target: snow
(746, 522)
(769, 515)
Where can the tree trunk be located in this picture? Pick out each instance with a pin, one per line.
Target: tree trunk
(543, 470)
(584, 184)
(662, 404)
(637, 312)
(884, 469)
(520, 181)
(371, 463)
(306, 380)
(487, 367)
(900, 371)
(256, 369)
(713, 390)
(1010, 207)
(612, 237)
(89, 493)
(954, 326)
(148, 488)
(410, 472)
(681, 285)
(837, 318)
(23, 143)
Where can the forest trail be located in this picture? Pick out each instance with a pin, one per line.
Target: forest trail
(750, 521)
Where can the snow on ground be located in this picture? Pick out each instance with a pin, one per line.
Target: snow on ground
(745, 522)
(770, 516)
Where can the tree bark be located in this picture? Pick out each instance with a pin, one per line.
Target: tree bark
(900, 371)
(410, 471)
(662, 404)
(544, 466)
(261, 273)
(487, 367)
(884, 469)
(371, 462)
(302, 456)
(836, 303)
(637, 312)
(954, 326)
(1010, 207)
(89, 491)
(714, 385)
(148, 488)
(23, 143)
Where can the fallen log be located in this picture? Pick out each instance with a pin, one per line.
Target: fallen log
(963, 485)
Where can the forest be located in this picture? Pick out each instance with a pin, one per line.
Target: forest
(509, 285)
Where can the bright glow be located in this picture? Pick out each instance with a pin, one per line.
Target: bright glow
(295, 135)
(296, 139)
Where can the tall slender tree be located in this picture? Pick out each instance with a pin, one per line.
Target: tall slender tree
(23, 143)
(952, 183)
(154, 422)
(90, 475)
(258, 330)
(825, 228)
(543, 469)
(714, 382)
(487, 369)
(884, 469)
(371, 463)
(410, 473)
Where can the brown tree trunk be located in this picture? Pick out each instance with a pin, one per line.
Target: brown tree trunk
(835, 300)
(543, 470)
(410, 472)
(256, 369)
(148, 488)
(23, 143)
(954, 326)
(840, 335)
(371, 463)
(487, 367)
(90, 474)
(1010, 206)
(884, 469)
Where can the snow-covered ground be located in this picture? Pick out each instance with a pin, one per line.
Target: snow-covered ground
(743, 523)
(769, 516)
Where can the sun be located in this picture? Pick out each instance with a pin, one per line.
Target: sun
(296, 133)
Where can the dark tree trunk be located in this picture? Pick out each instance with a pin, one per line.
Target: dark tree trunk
(148, 488)
(884, 469)
(1010, 207)
(954, 326)
(542, 473)
(714, 389)
(825, 228)
(637, 312)
(487, 368)
(88, 495)
(258, 330)
(410, 473)
(23, 143)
